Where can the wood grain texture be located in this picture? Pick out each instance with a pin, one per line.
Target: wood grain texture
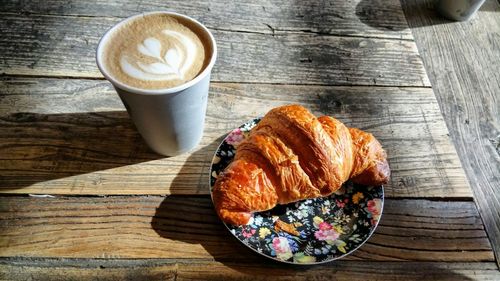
(463, 64)
(187, 227)
(164, 269)
(70, 136)
(65, 47)
(347, 18)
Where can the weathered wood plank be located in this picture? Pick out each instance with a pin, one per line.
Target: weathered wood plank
(187, 227)
(62, 136)
(62, 46)
(162, 269)
(463, 64)
(343, 17)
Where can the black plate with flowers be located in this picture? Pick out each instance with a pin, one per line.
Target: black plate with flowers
(326, 228)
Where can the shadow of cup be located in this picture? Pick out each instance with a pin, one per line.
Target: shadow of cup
(44, 147)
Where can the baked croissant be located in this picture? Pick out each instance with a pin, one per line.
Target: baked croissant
(291, 155)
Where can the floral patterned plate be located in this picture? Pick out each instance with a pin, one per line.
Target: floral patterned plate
(318, 230)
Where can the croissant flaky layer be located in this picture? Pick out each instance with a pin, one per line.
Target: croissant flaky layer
(290, 156)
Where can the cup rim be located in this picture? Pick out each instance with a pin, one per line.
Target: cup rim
(116, 83)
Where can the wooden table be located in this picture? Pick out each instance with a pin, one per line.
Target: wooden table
(84, 198)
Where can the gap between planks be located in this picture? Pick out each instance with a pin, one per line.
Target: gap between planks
(41, 76)
(188, 227)
(345, 17)
(161, 269)
(462, 63)
(56, 195)
(304, 58)
(273, 31)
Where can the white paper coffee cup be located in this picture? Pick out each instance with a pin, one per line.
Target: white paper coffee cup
(171, 121)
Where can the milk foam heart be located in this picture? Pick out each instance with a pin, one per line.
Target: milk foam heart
(156, 51)
(173, 65)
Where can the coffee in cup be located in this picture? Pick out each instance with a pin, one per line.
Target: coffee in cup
(156, 51)
(160, 65)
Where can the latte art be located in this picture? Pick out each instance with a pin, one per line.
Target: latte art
(173, 65)
(156, 52)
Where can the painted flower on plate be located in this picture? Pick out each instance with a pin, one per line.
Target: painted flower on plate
(235, 137)
(248, 126)
(326, 233)
(248, 234)
(282, 248)
(340, 204)
(263, 232)
(317, 221)
(374, 206)
(294, 246)
(258, 220)
(357, 197)
(300, 257)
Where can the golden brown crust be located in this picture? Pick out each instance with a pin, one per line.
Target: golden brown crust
(291, 155)
(301, 131)
(342, 146)
(281, 165)
(370, 160)
(242, 188)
